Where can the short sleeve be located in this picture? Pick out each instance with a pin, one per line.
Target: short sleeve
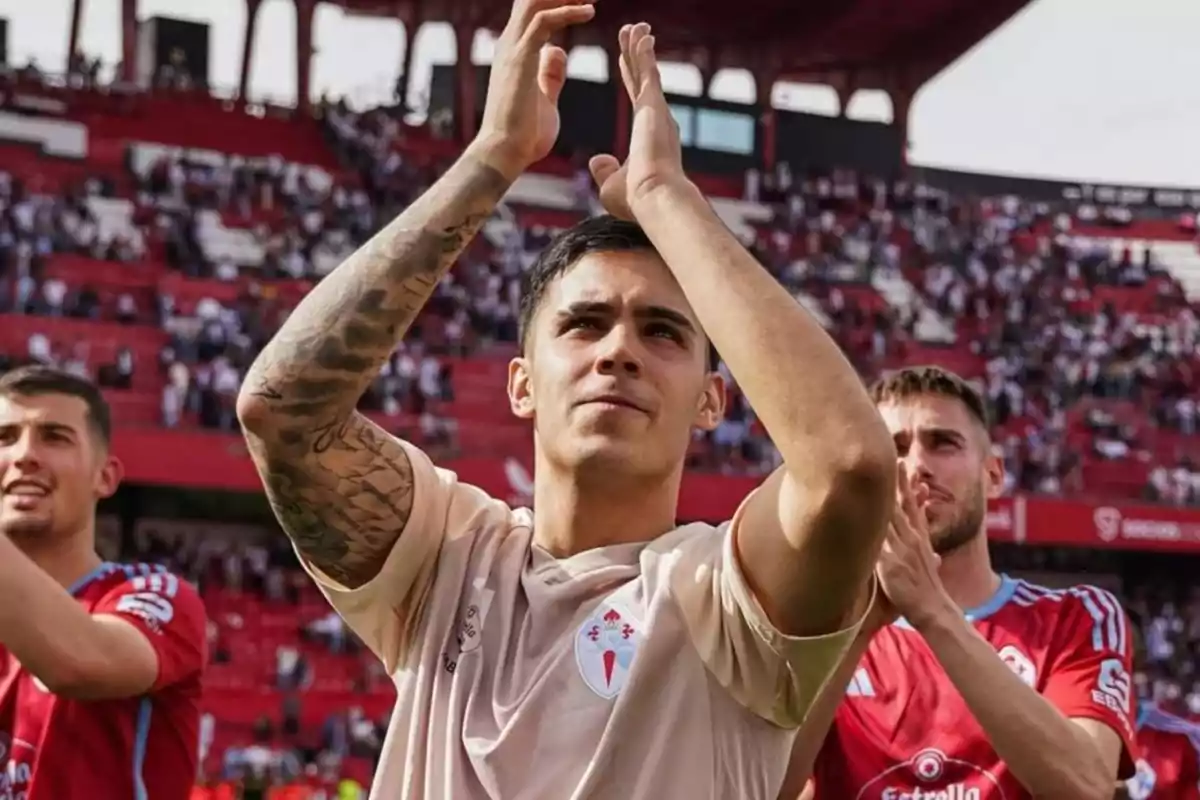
(1090, 666)
(386, 611)
(169, 613)
(776, 676)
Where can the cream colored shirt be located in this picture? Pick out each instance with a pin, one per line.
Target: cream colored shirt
(638, 672)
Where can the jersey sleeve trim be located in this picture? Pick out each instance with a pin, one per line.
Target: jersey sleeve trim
(100, 572)
(1110, 630)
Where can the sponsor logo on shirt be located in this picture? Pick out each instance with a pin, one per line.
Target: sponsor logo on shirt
(468, 628)
(470, 623)
(1113, 686)
(153, 609)
(932, 775)
(150, 600)
(604, 649)
(956, 791)
(16, 767)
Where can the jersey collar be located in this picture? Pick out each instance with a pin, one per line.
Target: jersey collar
(1004, 592)
(99, 572)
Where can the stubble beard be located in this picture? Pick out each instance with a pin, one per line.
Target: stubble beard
(963, 528)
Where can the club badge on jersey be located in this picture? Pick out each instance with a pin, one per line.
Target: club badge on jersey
(604, 648)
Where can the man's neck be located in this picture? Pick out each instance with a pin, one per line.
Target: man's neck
(66, 560)
(572, 516)
(967, 574)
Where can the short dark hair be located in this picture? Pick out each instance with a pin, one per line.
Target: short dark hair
(931, 380)
(602, 234)
(35, 381)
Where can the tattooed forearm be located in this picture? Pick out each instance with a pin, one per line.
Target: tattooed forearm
(340, 486)
(342, 512)
(332, 346)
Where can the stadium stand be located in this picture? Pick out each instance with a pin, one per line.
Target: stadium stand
(155, 243)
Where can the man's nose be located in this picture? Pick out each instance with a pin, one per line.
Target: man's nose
(619, 352)
(916, 461)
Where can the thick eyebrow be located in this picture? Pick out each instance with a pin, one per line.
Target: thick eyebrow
(902, 437)
(602, 309)
(49, 427)
(59, 427)
(949, 433)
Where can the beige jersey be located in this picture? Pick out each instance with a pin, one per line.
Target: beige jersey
(638, 672)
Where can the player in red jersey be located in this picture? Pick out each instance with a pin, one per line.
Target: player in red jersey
(100, 663)
(985, 687)
(1169, 765)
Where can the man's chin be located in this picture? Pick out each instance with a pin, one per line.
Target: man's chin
(947, 541)
(613, 455)
(24, 526)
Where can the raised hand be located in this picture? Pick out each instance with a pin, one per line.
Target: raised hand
(520, 118)
(655, 156)
(908, 567)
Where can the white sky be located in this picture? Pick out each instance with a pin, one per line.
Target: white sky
(1093, 90)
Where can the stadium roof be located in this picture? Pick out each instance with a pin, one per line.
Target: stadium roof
(847, 44)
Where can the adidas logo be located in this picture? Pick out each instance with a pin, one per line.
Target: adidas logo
(860, 684)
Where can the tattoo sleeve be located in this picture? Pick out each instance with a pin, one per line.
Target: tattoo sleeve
(340, 486)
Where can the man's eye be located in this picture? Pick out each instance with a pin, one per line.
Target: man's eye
(582, 323)
(665, 331)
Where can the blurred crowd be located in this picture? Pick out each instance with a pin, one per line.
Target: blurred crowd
(1169, 618)
(1004, 280)
(1008, 281)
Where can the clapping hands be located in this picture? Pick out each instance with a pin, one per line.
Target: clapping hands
(655, 154)
(520, 119)
(908, 567)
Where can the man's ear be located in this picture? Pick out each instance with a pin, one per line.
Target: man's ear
(109, 476)
(711, 408)
(520, 388)
(993, 467)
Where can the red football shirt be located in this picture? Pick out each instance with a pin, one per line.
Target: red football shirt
(1169, 767)
(146, 748)
(904, 732)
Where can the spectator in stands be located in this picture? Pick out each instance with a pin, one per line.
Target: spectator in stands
(76, 361)
(119, 373)
(174, 73)
(1178, 486)
(289, 668)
